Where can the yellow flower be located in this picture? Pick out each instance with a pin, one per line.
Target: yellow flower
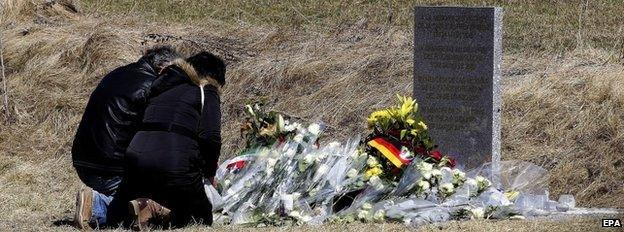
(376, 171)
(423, 125)
(380, 114)
(410, 121)
(407, 105)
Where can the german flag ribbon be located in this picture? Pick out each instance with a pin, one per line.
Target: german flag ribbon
(389, 150)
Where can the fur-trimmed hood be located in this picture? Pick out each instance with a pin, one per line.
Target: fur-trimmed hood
(194, 76)
(177, 74)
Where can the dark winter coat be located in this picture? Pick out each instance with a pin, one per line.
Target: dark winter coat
(178, 145)
(111, 119)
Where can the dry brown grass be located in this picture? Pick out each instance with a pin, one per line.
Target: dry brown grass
(531, 26)
(563, 112)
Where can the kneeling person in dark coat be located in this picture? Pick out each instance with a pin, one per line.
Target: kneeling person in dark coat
(110, 120)
(177, 147)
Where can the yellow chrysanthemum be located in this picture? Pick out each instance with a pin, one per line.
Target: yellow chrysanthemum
(376, 171)
(380, 114)
(410, 121)
(423, 125)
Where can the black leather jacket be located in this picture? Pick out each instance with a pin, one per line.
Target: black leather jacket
(111, 118)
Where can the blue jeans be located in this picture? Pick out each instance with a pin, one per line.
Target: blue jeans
(100, 208)
(104, 187)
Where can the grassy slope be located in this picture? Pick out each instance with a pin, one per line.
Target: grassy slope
(563, 103)
(530, 25)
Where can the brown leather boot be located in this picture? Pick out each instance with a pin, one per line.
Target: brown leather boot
(146, 213)
(84, 206)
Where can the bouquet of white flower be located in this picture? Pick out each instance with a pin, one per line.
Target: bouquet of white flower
(285, 176)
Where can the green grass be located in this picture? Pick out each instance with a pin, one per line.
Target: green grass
(530, 26)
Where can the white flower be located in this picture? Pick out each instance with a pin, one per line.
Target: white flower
(294, 214)
(271, 162)
(447, 189)
(372, 161)
(423, 185)
(290, 127)
(363, 214)
(226, 182)
(308, 159)
(322, 169)
(376, 182)
(288, 202)
(459, 177)
(459, 173)
(314, 129)
(349, 218)
(367, 206)
(425, 169)
(478, 212)
(426, 175)
(301, 166)
(424, 166)
(321, 156)
(248, 184)
(436, 173)
(352, 173)
(304, 163)
(264, 152)
(296, 195)
(249, 110)
(280, 123)
(298, 138)
(482, 183)
(379, 216)
(313, 192)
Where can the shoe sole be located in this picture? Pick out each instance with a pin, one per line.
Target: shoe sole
(79, 220)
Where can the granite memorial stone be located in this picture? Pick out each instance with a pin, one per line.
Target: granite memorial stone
(457, 67)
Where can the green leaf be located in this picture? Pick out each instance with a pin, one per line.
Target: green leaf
(403, 133)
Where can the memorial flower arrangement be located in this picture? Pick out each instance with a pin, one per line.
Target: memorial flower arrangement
(284, 176)
(399, 134)
(262, 128)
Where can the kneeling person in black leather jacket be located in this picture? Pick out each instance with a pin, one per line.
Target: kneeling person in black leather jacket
(111, 119)
(178, 145)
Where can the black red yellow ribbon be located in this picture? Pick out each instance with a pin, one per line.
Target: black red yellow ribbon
(389, 151)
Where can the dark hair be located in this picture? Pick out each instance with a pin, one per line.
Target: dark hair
(207, 64)
(160, 56)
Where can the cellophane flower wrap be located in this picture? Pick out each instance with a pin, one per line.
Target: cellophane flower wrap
(285, 175)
